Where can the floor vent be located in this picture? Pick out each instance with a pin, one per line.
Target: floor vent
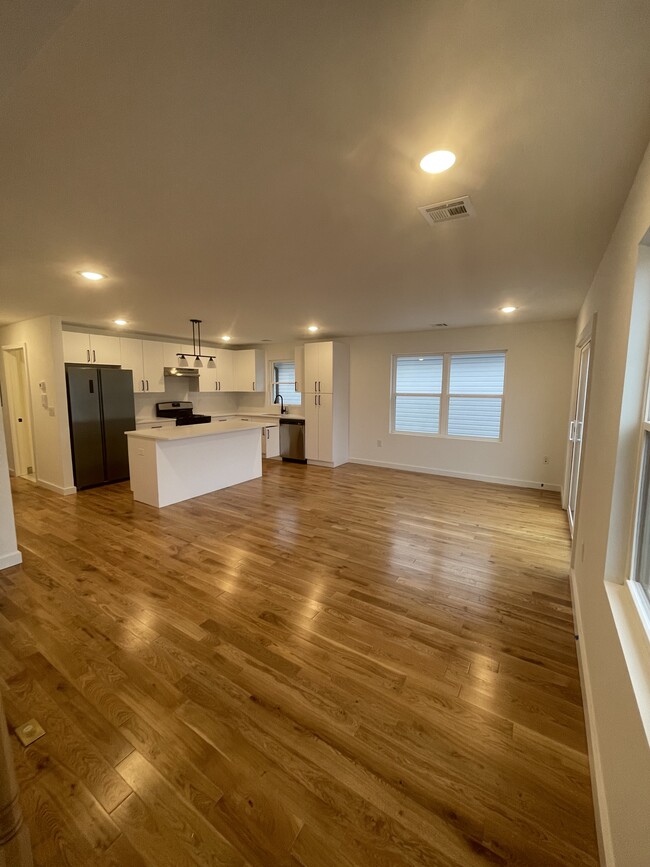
(453, 209)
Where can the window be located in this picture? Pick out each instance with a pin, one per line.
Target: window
(641, 551)
(457, 395)
(284, 383)
(418, 389)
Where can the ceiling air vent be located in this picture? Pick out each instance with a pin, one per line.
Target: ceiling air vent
(453, 209)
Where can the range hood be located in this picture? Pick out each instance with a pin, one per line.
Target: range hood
(190, 372)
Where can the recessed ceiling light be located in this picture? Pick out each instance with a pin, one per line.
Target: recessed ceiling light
(92, 275)
(225, 337)
(508, 309)
(120, 322)
(437, 161)
(312, 328)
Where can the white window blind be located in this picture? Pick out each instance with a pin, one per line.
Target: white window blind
(476, 394)
(458, 394)
(284, 382)
(418, 389)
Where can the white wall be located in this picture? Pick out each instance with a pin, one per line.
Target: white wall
(43, 342)
(538, 383)
(9, 553)
(619, 751)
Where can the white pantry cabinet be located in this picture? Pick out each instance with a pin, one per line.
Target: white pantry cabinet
(319, 429)
(326, 402)
(319, 367)
(145, 360)
(83, 348)
(249, 370)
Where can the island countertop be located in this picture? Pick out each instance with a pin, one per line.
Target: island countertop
(192, 431)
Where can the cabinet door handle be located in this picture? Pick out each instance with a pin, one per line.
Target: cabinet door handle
(147, 381)
(142, 381)
(295, 385)
(572, 431)
(253, 386)
(319, 399)
(94, 356)
(315, 402)
(88, 355)
(315, 384)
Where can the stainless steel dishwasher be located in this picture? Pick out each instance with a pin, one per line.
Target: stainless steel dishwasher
(292, 440)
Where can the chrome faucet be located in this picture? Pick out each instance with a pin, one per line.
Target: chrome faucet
(279, 397)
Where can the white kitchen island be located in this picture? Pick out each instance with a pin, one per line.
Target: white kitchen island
(171, 464)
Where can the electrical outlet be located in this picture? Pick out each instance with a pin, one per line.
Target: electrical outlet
(547, 460)
(141, 451)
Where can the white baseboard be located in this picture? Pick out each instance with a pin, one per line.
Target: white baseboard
(494, 480)
(56, 488)
(13, 559)
(603, 829)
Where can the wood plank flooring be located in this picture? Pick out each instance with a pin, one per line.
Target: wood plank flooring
(319, 668)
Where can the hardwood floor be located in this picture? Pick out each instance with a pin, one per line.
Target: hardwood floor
(319, 668)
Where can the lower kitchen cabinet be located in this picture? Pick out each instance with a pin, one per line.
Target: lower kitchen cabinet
(271, 441)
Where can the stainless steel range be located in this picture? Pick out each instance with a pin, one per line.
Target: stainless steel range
(182, 411)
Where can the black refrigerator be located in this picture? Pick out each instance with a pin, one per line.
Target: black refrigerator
(101, 408)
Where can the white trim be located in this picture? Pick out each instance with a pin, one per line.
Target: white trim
(56, 488)
(8, 560)
(603, 829)
(434, 471)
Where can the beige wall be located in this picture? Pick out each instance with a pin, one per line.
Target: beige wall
(619, 748)
(538, 383)
(44, 349)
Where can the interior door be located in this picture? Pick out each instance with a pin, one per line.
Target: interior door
(577, 431)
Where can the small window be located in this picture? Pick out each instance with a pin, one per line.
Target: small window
(284, 383)
(418, 391)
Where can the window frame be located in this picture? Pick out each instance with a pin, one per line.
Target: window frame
(640, 596)
(445, 395)
(274, 384)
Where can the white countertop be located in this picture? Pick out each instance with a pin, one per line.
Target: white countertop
(191, 431)
(271, 415)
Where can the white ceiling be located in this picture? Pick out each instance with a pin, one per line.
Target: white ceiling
(255, 164)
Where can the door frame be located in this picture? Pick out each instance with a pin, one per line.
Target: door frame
(19, 469)
(587, 335)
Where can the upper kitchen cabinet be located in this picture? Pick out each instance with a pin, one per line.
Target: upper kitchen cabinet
(145, 359)
(299, 368)
(217, 375)
(170, 356)
(249, 370)
(319, 367)
(81, 348)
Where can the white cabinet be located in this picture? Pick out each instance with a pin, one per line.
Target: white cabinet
(81, 348)
(326, 402)
(218, 374)
(319, 363)
(170, 358)
(299, 368)
(145, 360)
(271, 441)
(249, 370)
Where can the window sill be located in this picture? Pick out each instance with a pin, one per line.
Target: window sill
(438, 436)
(631, 613)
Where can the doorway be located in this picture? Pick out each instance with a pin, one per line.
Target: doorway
(18, 408)
(577, 430)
